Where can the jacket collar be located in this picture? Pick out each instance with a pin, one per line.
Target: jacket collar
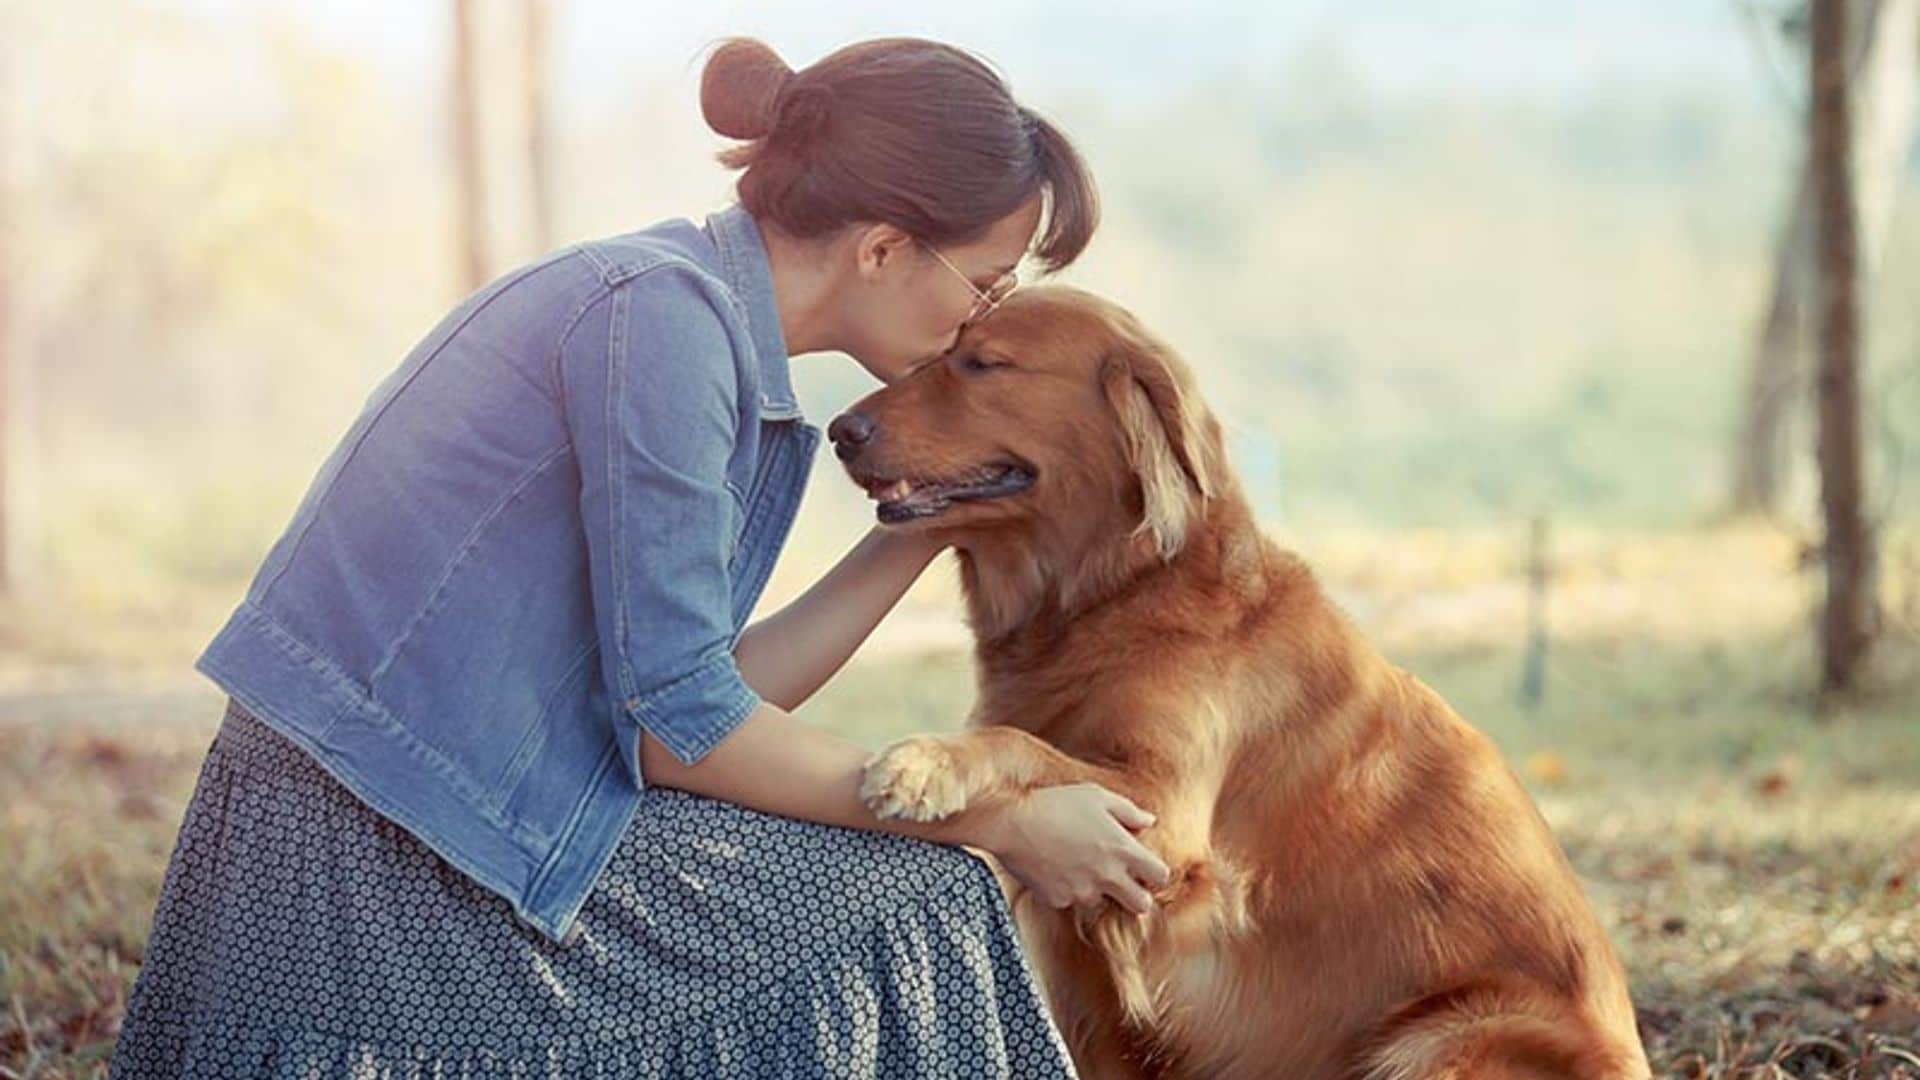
(743, 255)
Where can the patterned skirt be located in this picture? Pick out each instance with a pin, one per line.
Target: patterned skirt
(299, 933)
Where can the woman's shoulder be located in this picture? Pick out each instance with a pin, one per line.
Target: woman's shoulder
(665, 301)
(672, 275)
(676, 245)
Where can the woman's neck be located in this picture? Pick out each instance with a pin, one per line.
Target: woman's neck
(802, 291)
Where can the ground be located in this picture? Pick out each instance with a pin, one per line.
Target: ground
(1756, 856)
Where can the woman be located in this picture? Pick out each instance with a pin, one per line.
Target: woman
(505, 784)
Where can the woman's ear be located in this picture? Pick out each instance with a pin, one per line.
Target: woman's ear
(1162, 432)
(879, 244)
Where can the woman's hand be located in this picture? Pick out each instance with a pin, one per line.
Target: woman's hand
(1070, 845)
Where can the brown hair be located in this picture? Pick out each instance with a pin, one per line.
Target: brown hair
(921, 135)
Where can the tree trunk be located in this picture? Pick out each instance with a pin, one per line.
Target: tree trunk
(9, 407)
(1760, 458)
(468, 167)
(1883, 104)
(539, 129)
(1885, 36)
(1847, 625)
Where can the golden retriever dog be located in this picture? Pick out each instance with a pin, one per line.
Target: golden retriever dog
(1361, 887)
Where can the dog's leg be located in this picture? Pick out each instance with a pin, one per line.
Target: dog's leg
(1103, 1053)
(1086, 1005)
(928, 777)
(1480, 1032)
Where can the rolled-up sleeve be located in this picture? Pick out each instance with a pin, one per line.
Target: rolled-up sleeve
(653, 405)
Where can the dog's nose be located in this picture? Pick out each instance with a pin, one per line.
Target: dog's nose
(850, 433)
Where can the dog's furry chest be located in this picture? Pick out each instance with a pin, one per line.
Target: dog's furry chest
(1098, 715)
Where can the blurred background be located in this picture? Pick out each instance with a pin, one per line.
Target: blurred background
(1510, 308)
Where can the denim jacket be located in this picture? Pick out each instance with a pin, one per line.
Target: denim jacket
(543, 532)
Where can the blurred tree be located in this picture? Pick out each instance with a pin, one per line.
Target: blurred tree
(8, 406)
(1847, 628)
(1884, 49)
(502, 132)
(469, 172)
(538, 20)
(1533, 673)
(165, 322)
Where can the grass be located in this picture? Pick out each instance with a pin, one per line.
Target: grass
(1755, 853)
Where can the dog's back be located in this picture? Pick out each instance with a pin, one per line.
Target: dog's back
(1503, 968)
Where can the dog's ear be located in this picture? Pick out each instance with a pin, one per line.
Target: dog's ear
(1162, 431)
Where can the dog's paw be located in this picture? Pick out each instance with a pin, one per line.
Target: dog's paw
(917, 778)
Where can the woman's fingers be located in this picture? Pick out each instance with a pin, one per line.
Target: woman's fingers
(1129, 893)
(1143, 862)
(1148, 866)
(1128, 812)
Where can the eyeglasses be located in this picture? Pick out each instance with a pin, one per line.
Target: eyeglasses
(983, 302)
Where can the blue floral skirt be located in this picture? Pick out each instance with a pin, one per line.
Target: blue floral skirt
(299, 933)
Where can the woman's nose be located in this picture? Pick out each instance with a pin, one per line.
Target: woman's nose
(851, 432)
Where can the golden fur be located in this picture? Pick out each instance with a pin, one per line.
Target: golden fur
(1361, 887)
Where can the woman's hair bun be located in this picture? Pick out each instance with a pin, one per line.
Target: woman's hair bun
(739, 86)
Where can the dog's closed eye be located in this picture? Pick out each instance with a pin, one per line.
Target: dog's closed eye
(977, 362)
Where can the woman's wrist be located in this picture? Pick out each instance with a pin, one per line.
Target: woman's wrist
(984, 825)
(915, 543)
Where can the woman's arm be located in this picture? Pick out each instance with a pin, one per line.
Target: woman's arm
(1069, 844)
(791, 653)
(778, 763)
(775, 763)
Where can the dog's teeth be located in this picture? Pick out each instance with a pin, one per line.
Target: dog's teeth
(896, 491)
